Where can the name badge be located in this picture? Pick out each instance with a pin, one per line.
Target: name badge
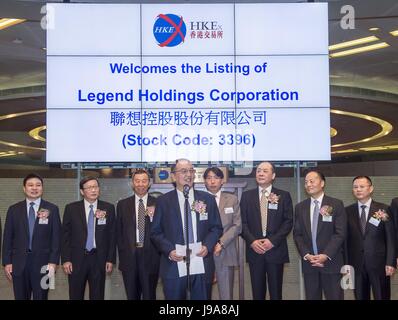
(228, 210)
(327, 218)
(101, 221)
(43, 221)
(273, 206)
(374, 221)
(203, 216)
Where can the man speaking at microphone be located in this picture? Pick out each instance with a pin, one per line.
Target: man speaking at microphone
(200, 230)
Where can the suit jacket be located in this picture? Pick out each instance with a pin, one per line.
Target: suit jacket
(74, 235)
(279, 225)
(232, 224)
(330, 235)
(376, 248)
(45, 242)
(126, 226)
(394, 216)
(167, 231)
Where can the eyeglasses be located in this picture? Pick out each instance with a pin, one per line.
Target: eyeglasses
(91, 188)
(185, 171)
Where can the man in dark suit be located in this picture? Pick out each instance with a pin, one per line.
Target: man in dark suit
(370, 242)
(267, 219)
(168, 230)
(394, 216)
(138, 257)
(88, 242)
(225, 251)
(320, 230)
(31, 246)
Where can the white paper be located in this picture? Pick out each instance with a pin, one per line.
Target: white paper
(273, 206)
(196, 266)
(228, 210)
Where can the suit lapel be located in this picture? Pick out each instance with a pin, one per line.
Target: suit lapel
(177, 212)
(354, 213)
(131, 219)
(24, 217)
(197, 197)
(307, 216)
(372, 209)
(82, 216)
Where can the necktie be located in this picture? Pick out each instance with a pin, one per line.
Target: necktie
(141, 221)
(90, 230)
(314, 226)
(32, 219)
(264, 211)
(188, 225)
(363, 219)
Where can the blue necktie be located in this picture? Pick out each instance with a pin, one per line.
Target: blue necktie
(90, 230)
(32, 219)
(314, 227)
(189, 224)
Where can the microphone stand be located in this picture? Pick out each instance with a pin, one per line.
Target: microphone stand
(188, 251)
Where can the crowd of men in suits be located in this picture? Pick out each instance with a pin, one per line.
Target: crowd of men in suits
(188, 238)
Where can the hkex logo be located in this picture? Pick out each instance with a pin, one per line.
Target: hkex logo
(169, 30)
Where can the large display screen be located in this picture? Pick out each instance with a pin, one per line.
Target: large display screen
(208, 82)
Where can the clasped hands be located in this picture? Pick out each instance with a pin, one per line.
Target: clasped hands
(317, 260)
(261, 246)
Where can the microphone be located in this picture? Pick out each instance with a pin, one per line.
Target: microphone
(185, 191)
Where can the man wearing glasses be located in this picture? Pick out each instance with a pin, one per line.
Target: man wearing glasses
(88, 242)
(168, 231)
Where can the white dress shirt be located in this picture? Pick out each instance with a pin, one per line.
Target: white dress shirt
(181, 201)
(137, 203)
(313, 206)
(87, 209)
(367, 209)
(36, 206)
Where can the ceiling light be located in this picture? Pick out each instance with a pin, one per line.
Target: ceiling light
(353, 43)
(7, 22)
(374, 29)
(359, 50)
(394, 33)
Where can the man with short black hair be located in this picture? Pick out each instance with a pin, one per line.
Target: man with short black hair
(138, 257)
(31, 246)
(370, 242)
(88, 242)
(225, 251)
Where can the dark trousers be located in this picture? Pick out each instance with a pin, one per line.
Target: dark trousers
(175, 289)
(378, 281)
(93, 273)
(329, 284)
(138, 282)
(261, 272)
(27, 284)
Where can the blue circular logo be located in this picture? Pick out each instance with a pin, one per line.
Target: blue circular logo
(163, 174)
(169, 30)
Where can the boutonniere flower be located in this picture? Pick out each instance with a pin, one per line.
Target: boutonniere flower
(100, 214)
(381, 214)
(273, 198)
(43, 213)
(149, 211)
(199, 206)
(326, 211)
